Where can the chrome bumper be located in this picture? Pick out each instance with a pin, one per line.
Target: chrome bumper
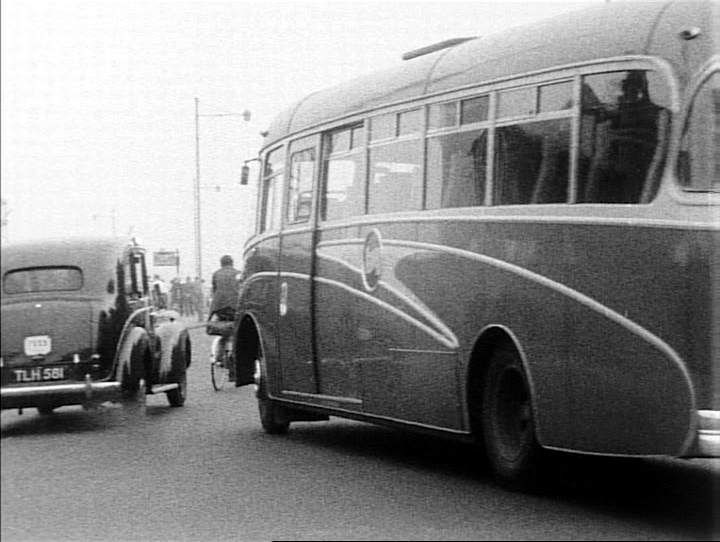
(59, 394)
(708, 435)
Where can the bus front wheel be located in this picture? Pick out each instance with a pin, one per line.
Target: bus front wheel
(507, 421)
(271, 417)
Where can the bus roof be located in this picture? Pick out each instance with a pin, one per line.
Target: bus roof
(610, 30)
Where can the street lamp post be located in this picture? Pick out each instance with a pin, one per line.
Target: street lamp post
(196, 214)
(196, 192)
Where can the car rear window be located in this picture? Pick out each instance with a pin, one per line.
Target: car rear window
(42, 279)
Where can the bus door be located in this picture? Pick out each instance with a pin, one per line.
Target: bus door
(296, 260)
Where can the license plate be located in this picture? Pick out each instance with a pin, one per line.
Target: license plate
(38, 345)
(38, 374)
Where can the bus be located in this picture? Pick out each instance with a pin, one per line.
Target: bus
(510, 240)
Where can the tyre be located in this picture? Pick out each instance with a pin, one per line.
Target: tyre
(271, 414)
(218, 364)
(176, 397)
(45, 410)
(132, 388)
(134, 399)
(507, 422)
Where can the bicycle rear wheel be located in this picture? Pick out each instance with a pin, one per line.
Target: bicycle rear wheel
(218, 369)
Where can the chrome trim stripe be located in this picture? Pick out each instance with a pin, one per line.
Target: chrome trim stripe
(375, 416)
(322, 397)
(443, 334)
(420, 351)
(634, 222)
(410, 301)
(449, 341)
(337, 260)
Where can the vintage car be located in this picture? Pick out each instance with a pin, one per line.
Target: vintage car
(79, 327)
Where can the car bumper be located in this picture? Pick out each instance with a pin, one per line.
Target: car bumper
(59, 394)
(707, 442)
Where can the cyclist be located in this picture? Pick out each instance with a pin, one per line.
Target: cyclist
(225, 283)
(225, 286)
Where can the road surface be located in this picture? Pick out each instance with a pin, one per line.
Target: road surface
(207, 472)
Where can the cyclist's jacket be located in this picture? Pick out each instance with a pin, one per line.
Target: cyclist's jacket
(225, 289)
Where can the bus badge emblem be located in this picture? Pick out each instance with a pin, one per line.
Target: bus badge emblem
(372, 260)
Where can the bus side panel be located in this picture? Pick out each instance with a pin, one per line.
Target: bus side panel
(295, 314)
(259, 297)
(638, 373)
(579, 315)
(337, 286)
(468, 293)
(378, 345)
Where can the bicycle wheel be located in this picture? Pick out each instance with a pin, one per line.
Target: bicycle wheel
(218, 369)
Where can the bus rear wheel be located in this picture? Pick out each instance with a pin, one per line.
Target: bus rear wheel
(507, 422)
(271, 417)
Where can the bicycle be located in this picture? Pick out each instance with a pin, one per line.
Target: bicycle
(221, 352)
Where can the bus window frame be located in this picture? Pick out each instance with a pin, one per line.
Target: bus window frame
(361, 150)
(295, 146)
(572, 72)
(679, 192)
(261, 211)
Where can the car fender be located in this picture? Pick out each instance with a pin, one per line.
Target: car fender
(171, 335)
(131, 352)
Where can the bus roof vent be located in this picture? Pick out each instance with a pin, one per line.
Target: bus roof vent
(435, 47)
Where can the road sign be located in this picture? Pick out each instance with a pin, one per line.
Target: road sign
(166, 258)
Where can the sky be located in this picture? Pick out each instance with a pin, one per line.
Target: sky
(98, 103)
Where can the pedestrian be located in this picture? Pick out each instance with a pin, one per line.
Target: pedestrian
(186, 289)
(159, 292)
(176, 294)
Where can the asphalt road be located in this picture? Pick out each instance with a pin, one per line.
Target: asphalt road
(207, 472)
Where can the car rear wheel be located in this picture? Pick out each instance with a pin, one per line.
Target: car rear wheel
(271, 417)
(176, 397)
(133, 392)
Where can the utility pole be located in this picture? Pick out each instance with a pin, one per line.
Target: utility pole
(196, 215)
(246, 115)
(4, 212)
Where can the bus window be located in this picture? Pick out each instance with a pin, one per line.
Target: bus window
(358, 136)
(343, 195)
(531, 162)
(383, 126)
(622, 136)
(271, 190)
(302, 168)
(555, 97)
(456, 169)
(395, 177)
(442, 115)
(516, 103)
(410, 122)
(699, 163)
(474, 110)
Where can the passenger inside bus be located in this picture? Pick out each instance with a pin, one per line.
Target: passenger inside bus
(620, 139)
